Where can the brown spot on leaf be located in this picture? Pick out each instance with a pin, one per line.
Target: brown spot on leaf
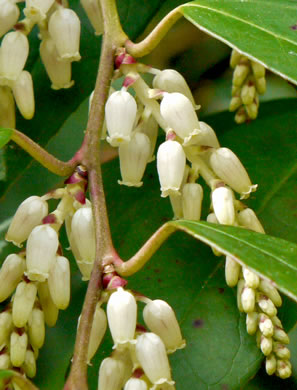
(294, 27)
(221, 290)
(224, 387)
(198, 323)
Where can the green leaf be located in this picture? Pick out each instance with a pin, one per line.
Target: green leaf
(263, 30)
(21, 381)
(5, 135)
(270, 257)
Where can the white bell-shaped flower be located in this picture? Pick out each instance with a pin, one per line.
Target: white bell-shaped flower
(93, 10)
(227, 167)
(50, 310)
(59, 282)
(223, 205)
(23, 302)
(98, 331)
(36, 9)
(120, 114)
(207, 136)
(170, 80)
(42, 246)
(160, 319)
(18, 347)
(121, 315)
(64, 28)
(135, 384)
(171, 162)
(36, 328)
(13, 55)
(111, 374)
(151, 353)
(179, 113)
(248, 219)
(192, 196)
(11, 273)
(9, 14)
(24, 94)
(7, 108)
(28, 215)
(134, 156)
(58, 71)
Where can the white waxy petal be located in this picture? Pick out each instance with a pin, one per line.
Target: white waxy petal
(248, 298)
(28, 215)
(223, 205)
(50, 310)
(135, 384)
(121, 315)
(11, 273)
(23, 303)
(36, 9)
(160, 319)
(18, 347)
(120, 114)
(24, 95)
(98, 330)
(93, 10)
(206, 136)
(9, 14)
(151, 353)
(134, 156)
(111, 374)
(150, 128)
(251, 279)
(59, 282)
(83, 234)
(58, 71)
(252, 320)
(64, 28)
(179, 113)
(232, 271)
(13, 56)
(36, 328)
(6, 326)
(42, 246)
(171, 162)
(227, 167)
(192, 195)
(7, 108)
(248, 219)
(271, 292)
(170, 80)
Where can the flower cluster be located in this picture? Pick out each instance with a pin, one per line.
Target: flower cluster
(59, 31)
(38, 277)
(248, 82)
(139, 358)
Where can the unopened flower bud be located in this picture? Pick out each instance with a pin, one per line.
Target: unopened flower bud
(23, 303)
(36, 328)
(270, 364)
(241, 116)
(135, 384)
(24, 95)
(120, 114)
(223, 205)
(6, 326)
(266, 305)
(29, 364)
(248, 219)
(261, 85)
(93, 10)
(7, 108)
(98, 330)
(111, 374)
(240, 73)
(232, 271)
(58, 71)
(192, 195)
(151, 353)
(5, 362)
(179, 113)
(83, 234)
(11, 273)
(42, 246)
(228, 167)
(121, 314)
(235, 58)
(59, 282)
(283, 369)
(18, 347)
(134, 156)
(248, 93)
(170, 80)
(160, 319)
(258, 69)
(281, 351)
(28, 215)
(252, 320)
(276, 321)
(271, 292)
(64, 28)
(171, 162)
(251, 279)
(235, 103)
(248, 297)
(266, 345)
(9, 14)
(36, 9)
(13, 56)
(252, 110)
(265, 325)
(240, 287)
(50, 310)
(280, 335)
